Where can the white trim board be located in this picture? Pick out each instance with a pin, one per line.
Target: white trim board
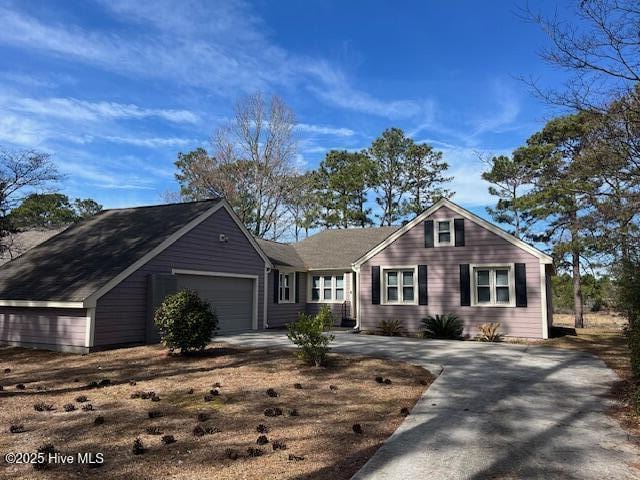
(543, 257)
(92, 299)
(41, 304)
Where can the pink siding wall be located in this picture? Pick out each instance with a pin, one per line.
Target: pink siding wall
(121, 314)
(279, 314)
(43, 326)
(481, 246)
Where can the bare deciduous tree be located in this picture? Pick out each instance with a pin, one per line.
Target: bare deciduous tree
(251, 166)
(21, 173)
(600, 52)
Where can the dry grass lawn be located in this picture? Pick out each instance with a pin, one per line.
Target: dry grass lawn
(606, 340)
(330, 402)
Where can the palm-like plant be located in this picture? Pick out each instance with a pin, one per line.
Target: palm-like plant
(445, 326)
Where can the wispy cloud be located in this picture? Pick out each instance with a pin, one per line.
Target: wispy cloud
(157, 142)
(333, 87)
(324, 130)
(82, 110)
(225, 50)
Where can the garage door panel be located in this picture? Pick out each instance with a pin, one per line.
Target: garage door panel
(231, 298)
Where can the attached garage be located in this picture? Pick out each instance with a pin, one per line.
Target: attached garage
(109, 272)
(234, 298)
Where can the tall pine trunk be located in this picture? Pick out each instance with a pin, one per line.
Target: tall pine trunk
(575, 264)
(577, 290)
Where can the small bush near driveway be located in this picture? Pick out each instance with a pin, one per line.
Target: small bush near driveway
(308, 334)
(185, 321)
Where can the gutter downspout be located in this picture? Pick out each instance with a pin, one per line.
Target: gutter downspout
(265, 322)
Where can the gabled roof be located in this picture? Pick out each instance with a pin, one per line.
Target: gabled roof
(544, 258)
(86, 257)
(282, 254)
(326, 250)
(341, 247)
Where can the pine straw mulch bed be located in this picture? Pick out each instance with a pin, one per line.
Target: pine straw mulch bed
(611, 346)
(320, 437)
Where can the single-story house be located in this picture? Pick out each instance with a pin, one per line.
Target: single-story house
(96, 284)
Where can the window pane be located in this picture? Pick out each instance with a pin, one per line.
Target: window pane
(502, 278)
(339, 294)
(327, 282)
(327, 294)
(286, 293)
(407, 279)
(502, 294)
(315, 294)
(315, 282)
(407, 294)
(483, 277)
(444, 237)
(392, 278)
(340, 282)
(392, 294)
(443, 226)
(286, 280)
(484, 295)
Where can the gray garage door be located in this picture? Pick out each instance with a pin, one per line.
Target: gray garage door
(232, 299)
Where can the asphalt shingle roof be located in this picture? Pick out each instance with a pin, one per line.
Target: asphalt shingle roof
(327, 249)
(81, 259)
(283, 254)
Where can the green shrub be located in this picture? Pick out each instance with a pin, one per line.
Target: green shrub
(442, 326)
(390, 328)
(308, 334)
(489, 332)
(185, 321)
(325, 315)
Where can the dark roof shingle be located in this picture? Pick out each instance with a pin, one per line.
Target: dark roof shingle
(283, 254)
(81, 259)
(328, 249)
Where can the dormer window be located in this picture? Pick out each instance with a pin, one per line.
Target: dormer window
(444, 233)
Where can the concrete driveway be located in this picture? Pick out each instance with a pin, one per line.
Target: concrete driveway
(496, 411)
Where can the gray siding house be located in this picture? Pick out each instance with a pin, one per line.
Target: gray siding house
(96, 284)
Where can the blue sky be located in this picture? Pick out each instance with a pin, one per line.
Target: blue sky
(114, 89)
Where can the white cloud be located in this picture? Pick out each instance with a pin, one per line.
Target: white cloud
(18, 131)
(154, 142)
(324, 130)
(335, 88)
(466, 168)
(82, 110)
(225, 49)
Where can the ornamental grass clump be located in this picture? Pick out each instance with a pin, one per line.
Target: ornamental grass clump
(186, 322)
(488, 332)
(308, 335)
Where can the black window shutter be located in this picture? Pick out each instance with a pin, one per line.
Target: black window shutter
(428, 234)
(423, 297)
(521, 285)
(276, 285)
(297, 297)
(465, 285)
(375, 285)
(458, 226)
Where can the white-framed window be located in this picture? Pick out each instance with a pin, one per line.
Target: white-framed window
(444, 232)
(327, 288)
(493, 285)
(399, 285)
(286, 282)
